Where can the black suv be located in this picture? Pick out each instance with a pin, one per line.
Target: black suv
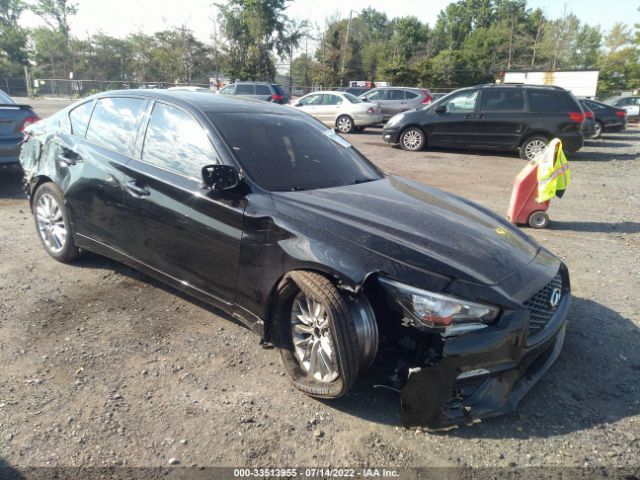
(511, 117)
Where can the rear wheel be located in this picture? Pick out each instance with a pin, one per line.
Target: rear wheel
(597, 132)
(344, 124)
(412, 139)
(52, 223)
(538, 219)
(320, 336)
(532, 146)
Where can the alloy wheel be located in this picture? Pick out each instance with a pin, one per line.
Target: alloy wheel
(598, 130)
(310, 330)
(411, 140)
(50, 223)
(534, 147)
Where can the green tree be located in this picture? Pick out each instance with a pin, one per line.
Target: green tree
(253, 30)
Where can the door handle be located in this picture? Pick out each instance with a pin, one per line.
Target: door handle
(137, 190)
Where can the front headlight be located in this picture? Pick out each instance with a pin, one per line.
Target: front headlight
(427, 310)
(394, 120)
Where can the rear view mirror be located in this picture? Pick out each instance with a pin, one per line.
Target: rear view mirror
(441, 109)
(220, 177)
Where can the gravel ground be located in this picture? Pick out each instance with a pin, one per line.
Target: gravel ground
(103, 366)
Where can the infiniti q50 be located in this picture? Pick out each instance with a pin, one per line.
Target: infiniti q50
(269, 215)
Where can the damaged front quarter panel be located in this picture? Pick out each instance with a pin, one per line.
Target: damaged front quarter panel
(480, 374)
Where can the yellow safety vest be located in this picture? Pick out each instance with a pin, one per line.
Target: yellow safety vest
(554, 175)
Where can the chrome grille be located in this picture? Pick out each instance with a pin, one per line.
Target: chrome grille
(540, 309)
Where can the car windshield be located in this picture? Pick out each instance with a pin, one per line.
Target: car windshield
(293, 152)
(352, 98)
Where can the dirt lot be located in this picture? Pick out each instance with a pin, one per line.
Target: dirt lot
(103, 366)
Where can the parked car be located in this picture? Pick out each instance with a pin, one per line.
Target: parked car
(607, 118)
(357, 91)
(394, 100)
(341, 110)
(267, 214)
(589, 124)
(631, 104)
(510, 117)
(14, 119)
(269, 92)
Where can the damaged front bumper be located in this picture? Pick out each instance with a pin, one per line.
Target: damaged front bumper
(483, 373)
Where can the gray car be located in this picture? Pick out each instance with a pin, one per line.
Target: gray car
(394, 100)
(269, 92)
(13, 120)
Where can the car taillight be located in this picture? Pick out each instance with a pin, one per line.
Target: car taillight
(276, 98)
(427, 98)
(620, 114)
(577, 117)
(28, 121)
(588, 114)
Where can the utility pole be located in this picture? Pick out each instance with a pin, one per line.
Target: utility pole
(291, 71)
(346, 44)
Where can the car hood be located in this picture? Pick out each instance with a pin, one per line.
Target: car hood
(417, 225)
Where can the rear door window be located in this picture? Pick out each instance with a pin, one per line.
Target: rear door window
(245, 89)
(114, 123)
(79, 118)
(502, 101)
(176, 141)
(410, 95)
(262, 90)
(331, 100)
(397, 95)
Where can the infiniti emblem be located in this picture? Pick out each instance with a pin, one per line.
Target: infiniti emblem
(554, 298)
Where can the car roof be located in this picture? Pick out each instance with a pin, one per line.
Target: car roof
(522, 85)
(256, 83)
(203, 101)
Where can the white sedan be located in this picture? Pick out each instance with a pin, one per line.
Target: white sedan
(341, 110)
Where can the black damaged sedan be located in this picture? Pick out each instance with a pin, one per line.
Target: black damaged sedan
(265, 213)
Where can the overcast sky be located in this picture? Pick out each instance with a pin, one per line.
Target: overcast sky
(121, 17)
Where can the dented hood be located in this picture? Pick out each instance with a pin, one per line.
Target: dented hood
(417, 225)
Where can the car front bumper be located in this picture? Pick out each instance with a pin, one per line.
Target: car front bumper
(391, 135)
(483, 373)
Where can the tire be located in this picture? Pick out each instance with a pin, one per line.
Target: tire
(530, 147)
(344, 124)
(538, 219)
(598, 131)
(413, 139)
(52, 223)
(332, 338)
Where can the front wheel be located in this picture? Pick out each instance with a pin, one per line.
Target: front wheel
(317, 335)
(412, 139)
(344, 124)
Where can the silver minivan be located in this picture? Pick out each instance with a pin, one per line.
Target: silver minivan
(394, 100)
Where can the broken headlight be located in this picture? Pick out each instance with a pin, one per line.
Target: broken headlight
(427, 310)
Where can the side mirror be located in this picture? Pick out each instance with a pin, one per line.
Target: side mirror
(297, 104)
(441, 109)
(220, 177)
